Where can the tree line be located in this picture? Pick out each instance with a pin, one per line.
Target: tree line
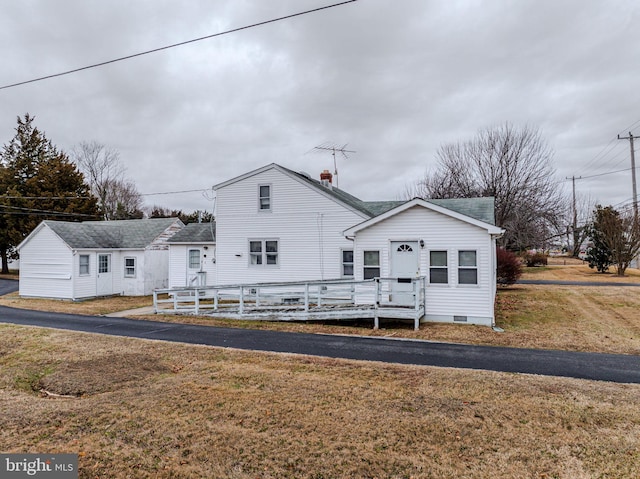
(38, 181)
(513, 165)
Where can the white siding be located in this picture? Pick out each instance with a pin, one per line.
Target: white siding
(307, 224)
(131, 286)
(46, 266)
(178, 254)
(439, 232)
(85, 286)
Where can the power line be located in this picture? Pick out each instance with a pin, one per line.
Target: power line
(128, 57)
(175, 192)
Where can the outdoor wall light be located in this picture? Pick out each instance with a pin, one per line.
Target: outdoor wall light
(421, 243)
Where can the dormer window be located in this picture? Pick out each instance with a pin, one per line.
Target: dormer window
(264, 197)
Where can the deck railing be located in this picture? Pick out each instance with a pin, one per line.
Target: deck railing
(330, 299)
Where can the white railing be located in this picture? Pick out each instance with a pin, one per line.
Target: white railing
(378, 297)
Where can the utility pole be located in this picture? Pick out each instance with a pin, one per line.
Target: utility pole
(633, 173)
(575, 213)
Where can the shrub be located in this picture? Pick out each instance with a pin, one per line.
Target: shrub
(509, 267)
(534, 259)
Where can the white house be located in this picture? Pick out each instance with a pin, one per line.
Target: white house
(96, 258)
(275, 224)
(192, 256)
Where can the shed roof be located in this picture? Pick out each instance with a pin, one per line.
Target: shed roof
(121, 234)
(195, 233)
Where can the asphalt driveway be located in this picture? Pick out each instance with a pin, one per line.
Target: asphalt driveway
(603, 367)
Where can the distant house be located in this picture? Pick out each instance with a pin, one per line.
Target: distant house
(192, 256)
(96, 258)
(274, 224)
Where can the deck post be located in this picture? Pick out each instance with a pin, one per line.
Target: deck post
(416, 298)
(306, 297)
(196, 303)
(215, 299)
(257, 297)
(376, 306)
(319, 295)
(241, 306)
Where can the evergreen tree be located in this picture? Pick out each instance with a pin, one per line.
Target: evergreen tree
(599, 256)
(39, 182)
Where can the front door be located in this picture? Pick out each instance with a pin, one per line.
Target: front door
(105, 275)
(404, 268)
(194, 267)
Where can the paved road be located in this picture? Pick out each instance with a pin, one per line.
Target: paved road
(604, 367)
(8, 286)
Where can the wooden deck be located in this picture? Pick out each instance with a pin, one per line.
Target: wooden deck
(300, 301)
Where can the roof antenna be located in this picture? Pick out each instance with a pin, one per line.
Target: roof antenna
(333, 149)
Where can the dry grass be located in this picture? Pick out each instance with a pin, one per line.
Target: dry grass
(569, 269)
(599, 319)
(154, 410)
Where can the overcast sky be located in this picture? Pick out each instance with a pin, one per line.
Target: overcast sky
(392, 79)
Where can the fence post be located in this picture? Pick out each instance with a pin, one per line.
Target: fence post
(306, 297)
(376, 319)
(155, 302)
(196, 304)
(241, 306)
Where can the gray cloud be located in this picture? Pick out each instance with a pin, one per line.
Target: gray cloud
(393, 80)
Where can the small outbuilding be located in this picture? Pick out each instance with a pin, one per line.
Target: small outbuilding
(192, 256)
(68, 260)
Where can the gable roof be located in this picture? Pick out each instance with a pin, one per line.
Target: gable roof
(334, 193)
(478, 208)
(477, 205)
(121, 234)
(195, 233)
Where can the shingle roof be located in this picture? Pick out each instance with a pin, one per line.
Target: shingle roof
(478, 208)
(195, 233)
(123, 234)
(482, 209)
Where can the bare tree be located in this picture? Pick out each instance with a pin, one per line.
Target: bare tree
(118, 198)
(578, 220)
(512, 165)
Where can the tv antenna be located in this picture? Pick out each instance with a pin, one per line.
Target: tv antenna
(333, 149)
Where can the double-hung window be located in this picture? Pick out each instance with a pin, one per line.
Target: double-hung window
(264, 197)
(438, 270)
(263, 252)
(347, 263)
(194, 259)
(130, 267)
(84, 264)
(467, 267)
(371, 264)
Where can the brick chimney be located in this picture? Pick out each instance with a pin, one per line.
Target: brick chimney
(326, 178)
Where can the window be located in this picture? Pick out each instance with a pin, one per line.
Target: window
(84, 265)
(130, 267)
(467, 267)
(347, 263)
(263, 252)
(438, 271)
(264, 197)
(371, 264)
(104, 263)
(194, 259)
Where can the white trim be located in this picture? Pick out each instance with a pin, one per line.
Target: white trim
(491, 229)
